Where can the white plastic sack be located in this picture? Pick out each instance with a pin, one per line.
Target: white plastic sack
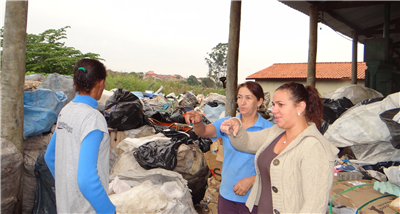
(153, 191)
(376, 152)
(355, 93)
(362, 124)
(57, 82)
(393, 174)
(213, 113)
(142, 131)
(129, 144)
(211, 97)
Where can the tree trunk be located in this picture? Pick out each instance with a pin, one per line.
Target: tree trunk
(13, 77)
(312, 51)
(233, 58)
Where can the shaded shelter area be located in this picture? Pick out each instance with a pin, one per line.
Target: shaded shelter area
(376, 24)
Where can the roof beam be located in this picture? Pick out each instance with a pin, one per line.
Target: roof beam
(335, 15)
(343, 20)
(374, 32)
(336, 5)
(372, 29)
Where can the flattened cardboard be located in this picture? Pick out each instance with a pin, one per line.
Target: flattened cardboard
(359, 196)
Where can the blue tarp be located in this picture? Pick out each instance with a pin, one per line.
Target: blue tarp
(41, 108)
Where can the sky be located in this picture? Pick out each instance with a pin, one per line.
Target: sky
(174, 36)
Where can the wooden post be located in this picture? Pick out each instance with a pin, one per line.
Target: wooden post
(12, 79)
(233, 57)
(312, 51)
(354, 61)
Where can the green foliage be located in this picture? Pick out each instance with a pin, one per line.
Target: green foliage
(132, 82)
(207, 82)
(46, 54)
(192, 80)
(217, 61)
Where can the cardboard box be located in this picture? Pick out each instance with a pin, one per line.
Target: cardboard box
(357, 193)
(214, 158)
(115, 139)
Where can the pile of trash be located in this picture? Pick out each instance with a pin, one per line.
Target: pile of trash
(154, 153)
(159, 165)
(365, 126)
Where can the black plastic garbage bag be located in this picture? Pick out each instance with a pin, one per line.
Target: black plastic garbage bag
(177, 117)
(156, 154)
(393, 126)
(161, 116)
(381, 165)
(202, 142)
(165, 116)
(332, 110)
(215, 103)
(124, 111)
(45, 196)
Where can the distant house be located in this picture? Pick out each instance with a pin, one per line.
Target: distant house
(329, 75)
(173, 77)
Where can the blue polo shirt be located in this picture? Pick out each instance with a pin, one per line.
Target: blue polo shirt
(237, 164)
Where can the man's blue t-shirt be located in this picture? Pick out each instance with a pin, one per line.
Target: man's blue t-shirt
(237, 164)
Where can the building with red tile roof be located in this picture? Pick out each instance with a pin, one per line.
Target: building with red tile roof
(329, 75)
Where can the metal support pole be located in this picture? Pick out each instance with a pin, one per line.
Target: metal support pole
(233, 58)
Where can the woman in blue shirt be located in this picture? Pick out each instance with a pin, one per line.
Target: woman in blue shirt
(78, 152)
(238, 172)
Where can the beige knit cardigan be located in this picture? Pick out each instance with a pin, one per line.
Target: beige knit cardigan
(301, 175)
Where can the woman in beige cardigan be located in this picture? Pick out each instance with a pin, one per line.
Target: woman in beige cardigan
(294, 162)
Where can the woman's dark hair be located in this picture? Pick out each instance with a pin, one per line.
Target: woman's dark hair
(254, 87)
(87, 72)
(308, 94)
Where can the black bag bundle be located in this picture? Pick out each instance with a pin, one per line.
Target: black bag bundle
(165, 116)
(124, 111)
(156, 154)
(332, 110)
(45, 196)
(393, 126)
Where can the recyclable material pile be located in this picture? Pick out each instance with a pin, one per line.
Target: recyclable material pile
(159, 165)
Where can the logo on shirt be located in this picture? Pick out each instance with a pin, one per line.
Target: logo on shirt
(62, 125)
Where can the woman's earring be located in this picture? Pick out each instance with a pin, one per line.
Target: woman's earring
(298, 113)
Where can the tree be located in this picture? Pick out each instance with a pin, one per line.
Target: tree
(46, 54)
(217, 61)
(192, 80)
(207, 82)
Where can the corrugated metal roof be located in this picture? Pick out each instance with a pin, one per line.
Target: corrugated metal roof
(359, 16)
(324, 70)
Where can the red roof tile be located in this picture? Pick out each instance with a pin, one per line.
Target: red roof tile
(324, 70)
